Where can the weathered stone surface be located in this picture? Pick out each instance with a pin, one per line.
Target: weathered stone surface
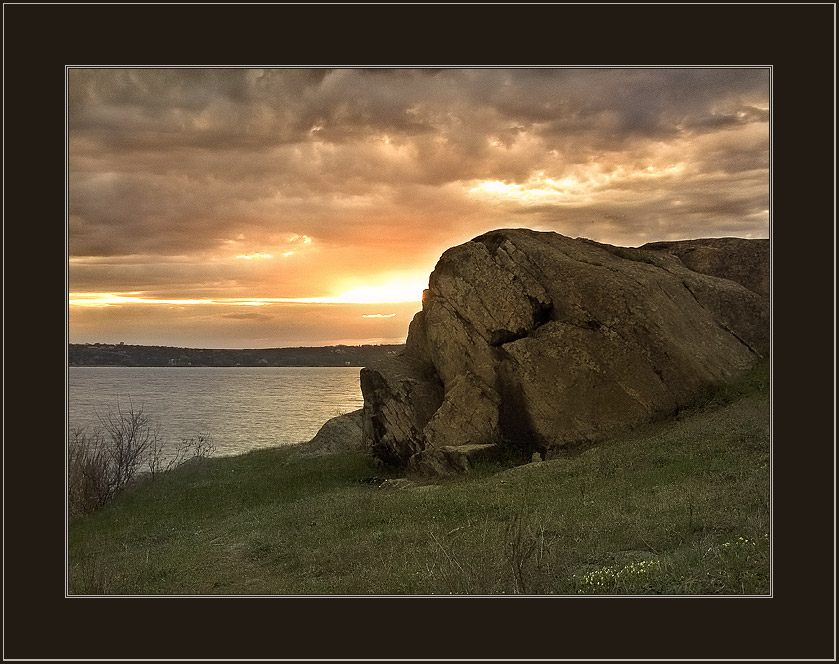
(400, 396)
(339, 434)
(734, 258)
(469, 412)
(448, 460)
(542, 340)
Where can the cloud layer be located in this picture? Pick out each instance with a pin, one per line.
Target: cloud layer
(304, 183)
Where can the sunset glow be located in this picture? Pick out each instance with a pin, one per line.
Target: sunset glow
(392, 292)
(108, 299)
(271, 207)
(364, 295)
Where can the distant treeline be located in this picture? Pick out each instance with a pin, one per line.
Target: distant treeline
(124, 355)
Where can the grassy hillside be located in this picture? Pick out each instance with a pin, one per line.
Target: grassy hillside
(680, 506)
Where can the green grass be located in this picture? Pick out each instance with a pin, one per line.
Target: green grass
(678, 506)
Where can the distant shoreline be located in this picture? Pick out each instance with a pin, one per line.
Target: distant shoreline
(125, 355)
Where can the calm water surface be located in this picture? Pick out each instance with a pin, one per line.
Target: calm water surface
(242, 408)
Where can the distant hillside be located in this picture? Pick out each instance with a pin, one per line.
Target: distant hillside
(124, 355)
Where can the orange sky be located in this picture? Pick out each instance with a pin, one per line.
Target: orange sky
(265, 208)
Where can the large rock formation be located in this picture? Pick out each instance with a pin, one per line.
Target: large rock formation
(339, 434)
(540, 341)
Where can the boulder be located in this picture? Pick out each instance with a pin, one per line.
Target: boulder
(338, 435)
(540, 341)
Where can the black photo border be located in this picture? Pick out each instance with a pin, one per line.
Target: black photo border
(796, 40)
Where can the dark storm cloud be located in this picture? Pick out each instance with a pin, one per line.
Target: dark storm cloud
(226, 108)
(215, 108)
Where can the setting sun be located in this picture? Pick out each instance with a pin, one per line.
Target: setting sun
(392, 292)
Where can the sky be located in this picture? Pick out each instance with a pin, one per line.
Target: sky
(246, 208)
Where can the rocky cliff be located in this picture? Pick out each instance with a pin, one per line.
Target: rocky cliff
(540, 341)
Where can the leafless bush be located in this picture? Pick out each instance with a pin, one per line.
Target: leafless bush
(131, 440)
(88, 472)
(157, 463)
(194, 447)
(102, 462)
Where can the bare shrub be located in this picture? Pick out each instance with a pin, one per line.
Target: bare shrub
(88, 472)
(103, 461)
(194, 447)
(132, 438)
(157, 463)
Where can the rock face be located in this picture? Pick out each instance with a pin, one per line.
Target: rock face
(540, 341)
(743, 261)
(339, 434)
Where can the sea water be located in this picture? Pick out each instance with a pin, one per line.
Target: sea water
(241, 408)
